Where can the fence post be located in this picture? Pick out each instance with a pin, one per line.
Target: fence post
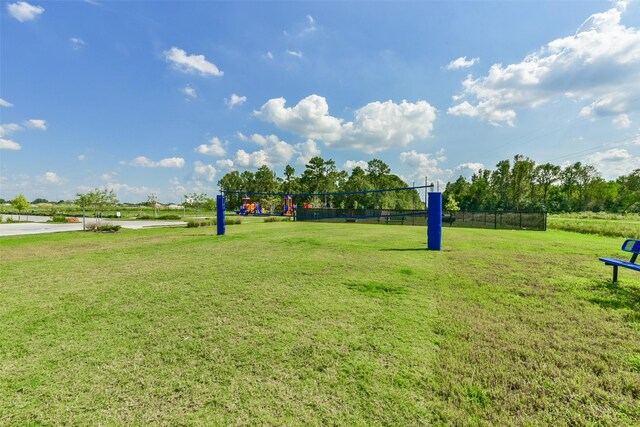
(495, 220)
(220, 208)
(434, 222)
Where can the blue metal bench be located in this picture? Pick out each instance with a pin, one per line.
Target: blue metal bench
(630, 245)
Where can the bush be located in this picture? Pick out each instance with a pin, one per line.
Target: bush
(103, 228)
(108, 228)
(193, 223)
(58, 218)
(276, 219)
(162, 217)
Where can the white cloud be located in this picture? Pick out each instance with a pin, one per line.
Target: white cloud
(172, 162)
(225, 164)
(599, 64)
(468, 169)
(306, 150)
(235, 100)
(191, 63)
(269, 56)
(350, 165)
(461, 62)
(50, 178)
(622, 121)
(24, 11)
(108, 176)
(273, 152)
(36, 124)
(215, 148)
(377, 126)
(614, 162)
(174, 181)
(423, 164)
(130, 189)
(8, 128)
(201, 170)
(76, 43)
(295, 53)
(189, 91)
(82, 157)
(4, 103)
(8, 144)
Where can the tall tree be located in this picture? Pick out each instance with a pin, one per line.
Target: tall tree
(20, 203)
(545, 176)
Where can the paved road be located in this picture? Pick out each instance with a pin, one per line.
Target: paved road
(40, 225)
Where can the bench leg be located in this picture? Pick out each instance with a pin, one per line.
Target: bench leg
(615, 274)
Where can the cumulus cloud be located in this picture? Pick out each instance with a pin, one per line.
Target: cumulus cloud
(614, 162)
(6, 104)
(145, 162)
(76, 43)
(225, 164)
(235, 100)
(8, 144)
(50, 178)
(424, 164)
(461, 62)
(130, 189)
(622, 121)
(350, 165)
(204, 171)
(36, 124)
(24, 11)
(273, 152)
(377, 126)
(191, 63)
(214, 148)
(306, 150)
(269, 56)
(190, 92)
(82, 157)
(599, 65)
(9, 128)
(468, 169)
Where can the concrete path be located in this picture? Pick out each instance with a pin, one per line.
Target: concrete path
(40, 225)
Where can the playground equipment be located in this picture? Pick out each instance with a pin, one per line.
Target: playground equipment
(249, 208)
(288, 208)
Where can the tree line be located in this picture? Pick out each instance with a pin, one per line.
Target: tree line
(322, 176)
(523, 185)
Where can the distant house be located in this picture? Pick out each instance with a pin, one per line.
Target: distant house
(173, 206)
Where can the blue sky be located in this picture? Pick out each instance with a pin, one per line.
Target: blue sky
(166, 97)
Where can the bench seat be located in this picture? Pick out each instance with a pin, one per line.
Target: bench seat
(630, 245)
(620, 263)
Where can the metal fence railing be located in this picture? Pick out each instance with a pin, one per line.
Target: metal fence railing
(506, 220)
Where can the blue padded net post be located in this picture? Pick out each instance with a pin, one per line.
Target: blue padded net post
(220, 214)
(434, 222)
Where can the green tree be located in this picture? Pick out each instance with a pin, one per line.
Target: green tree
(451, 205)
(230, 183)
(152, 201)
(98, 201)
(545, 176)
(20, 203)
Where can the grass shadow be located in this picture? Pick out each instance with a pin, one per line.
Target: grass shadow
(614, 296)
(403, 249)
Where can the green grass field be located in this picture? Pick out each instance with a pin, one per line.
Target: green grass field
(318, 324)
(604, 224)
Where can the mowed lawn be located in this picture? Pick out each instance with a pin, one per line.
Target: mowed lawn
(318, 324)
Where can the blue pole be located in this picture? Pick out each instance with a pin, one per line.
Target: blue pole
(434, 222)
(220, 214)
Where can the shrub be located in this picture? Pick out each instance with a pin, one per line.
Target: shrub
(275, 219)
(108, 228)
(58, 218)
(193, 223)
(103, 228)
